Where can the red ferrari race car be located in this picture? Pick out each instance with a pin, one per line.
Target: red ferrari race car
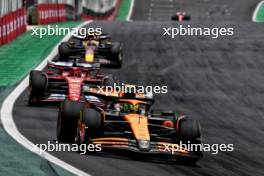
(181, 16)
(64, 80)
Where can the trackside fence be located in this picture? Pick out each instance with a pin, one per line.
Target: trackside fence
(15, 16)
(12, 20)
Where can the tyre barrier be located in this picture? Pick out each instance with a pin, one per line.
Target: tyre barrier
(51, 13)
(12, 25)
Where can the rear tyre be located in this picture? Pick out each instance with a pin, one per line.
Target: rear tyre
(67, 123)
(117, 54)
(189, 132)
(175, 18)
(75, 42)
(189, 129)
(38, 84)
(187, 18)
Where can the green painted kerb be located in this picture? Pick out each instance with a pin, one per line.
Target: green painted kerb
(260, 14)
(123, 10)
(26, 52)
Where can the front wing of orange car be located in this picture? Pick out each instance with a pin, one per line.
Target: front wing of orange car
(144, 147)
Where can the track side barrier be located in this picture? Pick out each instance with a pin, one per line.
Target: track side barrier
(12, 25)
(51, 13)
(1, 30)
(4, 38)
(62, 12)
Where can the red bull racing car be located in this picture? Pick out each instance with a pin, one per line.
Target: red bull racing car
(93, 48)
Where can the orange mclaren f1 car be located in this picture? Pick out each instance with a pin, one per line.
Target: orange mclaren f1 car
(128, 124)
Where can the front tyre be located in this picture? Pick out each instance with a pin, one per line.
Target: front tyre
(92, 122)
(67, 123)
(37, 84)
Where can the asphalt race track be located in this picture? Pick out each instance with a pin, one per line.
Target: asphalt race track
(217, 81)
(199, 10)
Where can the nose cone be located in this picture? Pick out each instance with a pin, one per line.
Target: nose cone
(144, 145)
(139, 127)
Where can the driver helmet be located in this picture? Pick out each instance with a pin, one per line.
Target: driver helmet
(127, 107)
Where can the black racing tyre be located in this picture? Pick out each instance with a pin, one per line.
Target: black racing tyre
(117, 53)
(64, 51)
(187, 18)
(93, 120)
(67, 122)
(189, 130)
(116, 48)
(75, 42)
(38, 83)
(175, 17)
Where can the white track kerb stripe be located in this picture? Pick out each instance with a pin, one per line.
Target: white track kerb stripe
(10, 126)
(130, 10)
(254, 17)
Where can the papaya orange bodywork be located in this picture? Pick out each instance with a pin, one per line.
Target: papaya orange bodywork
(139, 126)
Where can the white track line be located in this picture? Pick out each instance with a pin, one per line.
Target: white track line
(254, 17)
(132, 2)
(10, 126)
